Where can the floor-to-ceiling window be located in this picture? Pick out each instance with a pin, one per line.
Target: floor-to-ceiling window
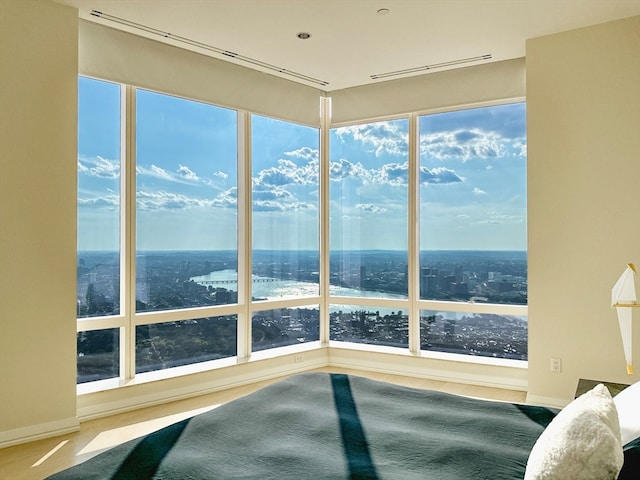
(369, 174)
(186, 224)
(473, 231)
(162, 277)
(285, 233)
(99, 213)
(157, 216)
(458, 282)
(201, 235)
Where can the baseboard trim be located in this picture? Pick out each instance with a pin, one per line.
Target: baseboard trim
(9, 438)
(552, 402)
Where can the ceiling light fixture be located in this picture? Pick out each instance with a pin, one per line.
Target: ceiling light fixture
(303, 35)
(383, 11)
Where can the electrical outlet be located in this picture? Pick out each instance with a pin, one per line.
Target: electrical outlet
(556, 365)
(298, 359)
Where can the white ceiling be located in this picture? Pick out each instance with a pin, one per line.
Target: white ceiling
(350, 41)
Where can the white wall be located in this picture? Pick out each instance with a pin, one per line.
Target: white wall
(38, 103)
(583, 123)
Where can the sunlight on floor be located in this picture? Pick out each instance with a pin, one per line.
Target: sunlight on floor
(49, 454)
(116, 436)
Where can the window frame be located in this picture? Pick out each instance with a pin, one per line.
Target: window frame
(128, 319)
(414, 304)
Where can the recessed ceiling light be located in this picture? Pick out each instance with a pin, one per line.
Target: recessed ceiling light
(303, 35)
(384, 11)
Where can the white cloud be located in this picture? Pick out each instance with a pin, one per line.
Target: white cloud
(304, 153)
(187, 173)
(168, 200)
(271, 194)
(156, 172)
(228, 198)
(343, 168)
(382, 137)
(277, 199)
(183, 174)
(370, 208)
(439, 175)
(278, 206)
(111, 201)
(465, 144)
(394, 174)
(99, 167)
(521, 148)
(269, 186)
(286, 172)
(479, 191)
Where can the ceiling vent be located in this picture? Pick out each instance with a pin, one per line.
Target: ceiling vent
(425, 68)
(210, 48)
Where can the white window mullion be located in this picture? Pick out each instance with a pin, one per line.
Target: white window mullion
(244, 236)
(128, 236)
(324, 181)
(414, 233)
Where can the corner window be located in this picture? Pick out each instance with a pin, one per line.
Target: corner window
(426, 233)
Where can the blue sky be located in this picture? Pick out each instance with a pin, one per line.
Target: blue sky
(473, 166)
(474, 194)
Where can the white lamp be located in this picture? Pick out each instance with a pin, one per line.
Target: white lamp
(624, 299)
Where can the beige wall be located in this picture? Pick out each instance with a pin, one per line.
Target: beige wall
(584, 167)
(38, 98)
(583, 123)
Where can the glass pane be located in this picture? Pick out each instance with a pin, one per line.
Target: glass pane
(186, 210)
(182, 279)
(473, 205)
(171, 344)
(285, 326)
(478, 276)
(285, 191)
(370, 325)
(368, 209)
(486, 335)
(98, 269)
(98, 355)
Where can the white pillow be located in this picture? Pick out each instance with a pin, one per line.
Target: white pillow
(628, 405)
(581, 443)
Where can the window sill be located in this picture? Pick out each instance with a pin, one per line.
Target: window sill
(451, 357)
(194, 368)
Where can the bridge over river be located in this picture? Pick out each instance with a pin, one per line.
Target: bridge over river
(226, 282)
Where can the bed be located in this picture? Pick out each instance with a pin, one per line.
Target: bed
(336, 426)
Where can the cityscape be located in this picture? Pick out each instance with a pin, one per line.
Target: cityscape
(186, 279)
